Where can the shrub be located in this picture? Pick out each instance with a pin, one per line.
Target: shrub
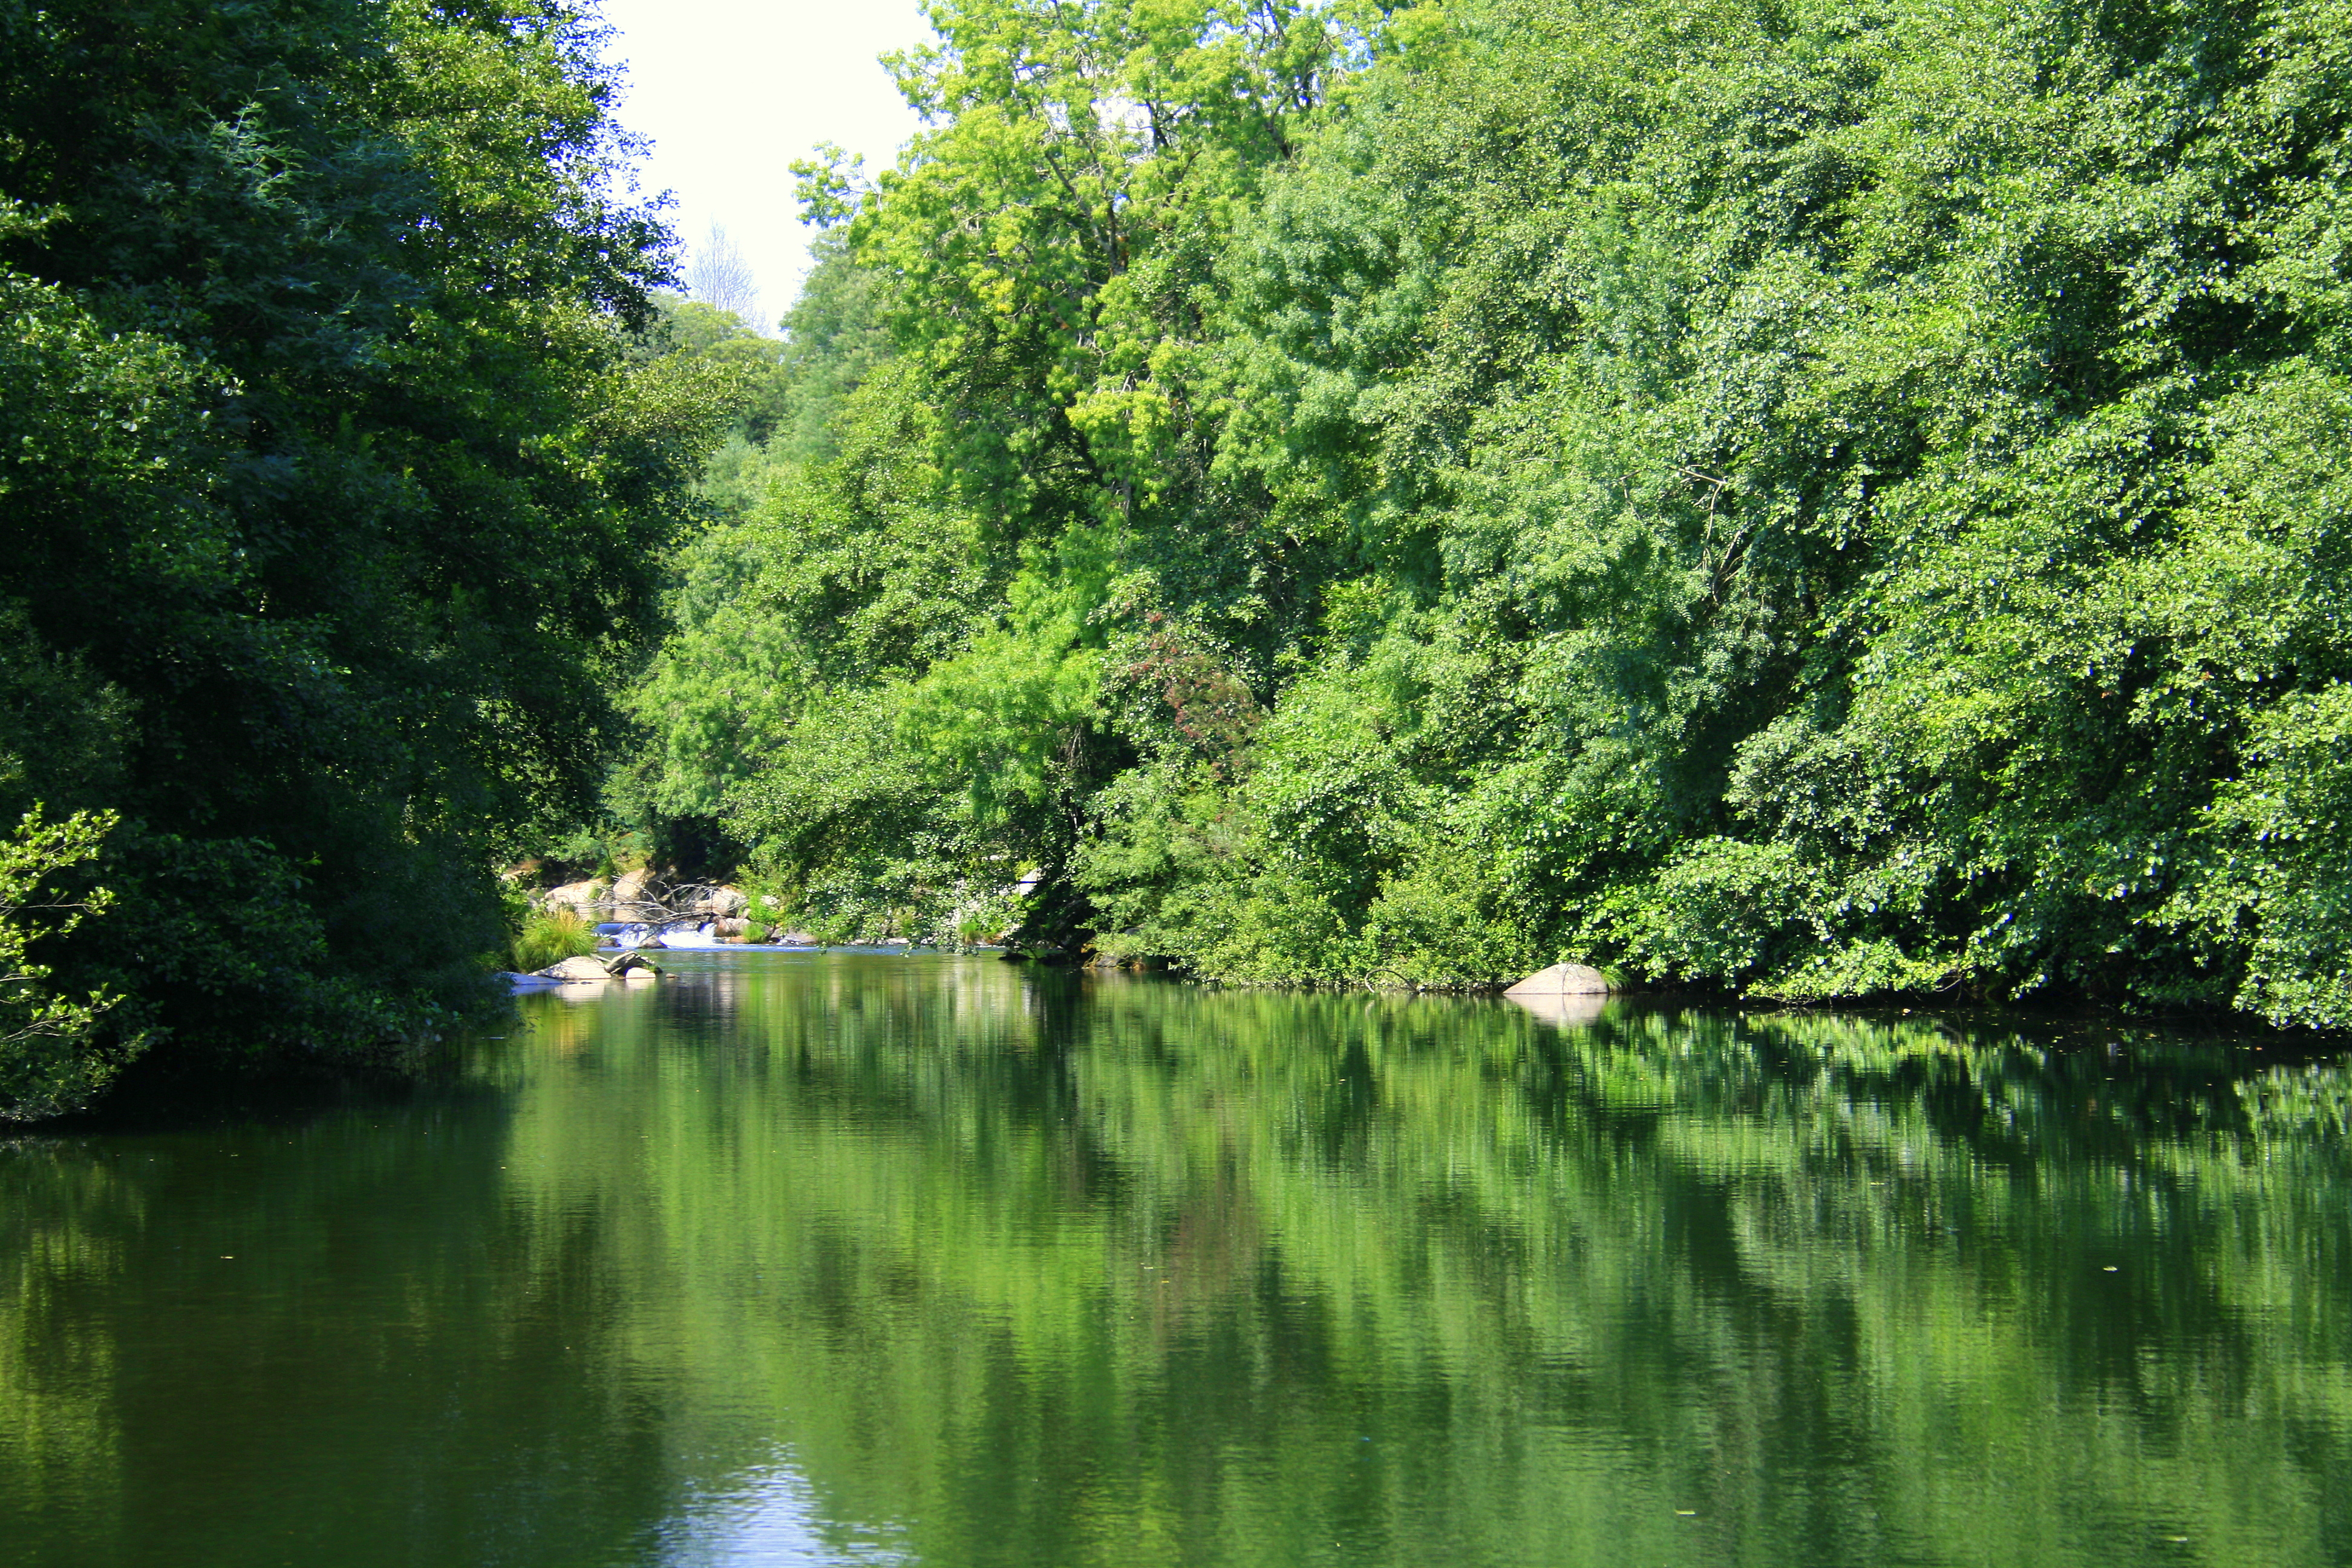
(548, 935)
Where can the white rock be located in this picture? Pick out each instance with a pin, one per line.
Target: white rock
(585, 895)
(1563, 980)
(1567, 996)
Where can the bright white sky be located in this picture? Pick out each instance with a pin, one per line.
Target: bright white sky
(731, 91)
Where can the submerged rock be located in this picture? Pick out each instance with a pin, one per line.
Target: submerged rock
(623, 966)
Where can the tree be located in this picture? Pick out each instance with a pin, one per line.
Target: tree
(1800, 502)
(719, 275)
(337, 491)
(50, 1059)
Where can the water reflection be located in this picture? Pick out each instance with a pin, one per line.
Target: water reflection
(831, 1258)
(769, 1518)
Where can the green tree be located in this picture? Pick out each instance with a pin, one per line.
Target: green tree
(338, 491)
(1785, 500)
(51, 1057)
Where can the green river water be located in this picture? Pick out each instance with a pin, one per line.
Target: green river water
(854, 1259)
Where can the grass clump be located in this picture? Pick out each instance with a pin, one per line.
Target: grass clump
(546, 936)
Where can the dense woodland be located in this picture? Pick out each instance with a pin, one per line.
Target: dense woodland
(1804, 501)
(1817, 501)
(338, 477)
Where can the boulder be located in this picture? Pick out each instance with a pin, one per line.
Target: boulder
(574, 896)
(629, 966)
(575, 969)
(632, 885)
(1563, 980)
(726, 903)
(1567, 996)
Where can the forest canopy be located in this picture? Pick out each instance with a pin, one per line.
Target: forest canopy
(339, 481)
(1798, 500)
(1809, 501)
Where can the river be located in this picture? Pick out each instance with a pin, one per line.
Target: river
(862, 1258)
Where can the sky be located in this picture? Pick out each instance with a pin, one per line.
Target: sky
(731, 91)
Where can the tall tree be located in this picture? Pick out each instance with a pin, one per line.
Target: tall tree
(335, 496)
(719, 276)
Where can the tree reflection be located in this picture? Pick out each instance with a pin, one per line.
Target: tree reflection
(1030, 1268)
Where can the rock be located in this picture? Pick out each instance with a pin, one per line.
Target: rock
(575, 969)
(629, 966)
(728, 929)
(1563, 980)
(795, 938)
(726, 903)
(1567, 994)
(630, 888)
(580, 895)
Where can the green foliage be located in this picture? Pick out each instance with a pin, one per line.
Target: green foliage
(48, 1056)
(834, 340)
(784, 392)
(546, 936)
(1811, 502)
(338, 482)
